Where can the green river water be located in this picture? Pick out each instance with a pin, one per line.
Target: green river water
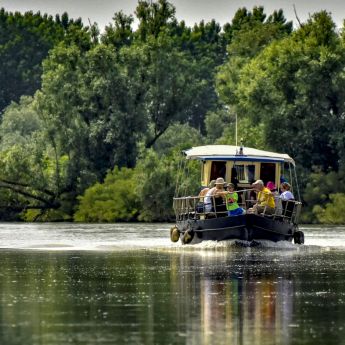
(127, 284)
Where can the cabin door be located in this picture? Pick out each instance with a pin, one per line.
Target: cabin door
(268, 172)
(218, 169)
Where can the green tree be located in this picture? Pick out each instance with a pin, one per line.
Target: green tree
(294, 88)
(116, 199)
(154, 17)
(178, 137)
(319, 193)
(19, 122)
(161, 178)
(95, 117)
(120, 34)
(25, 40)
(333, 212)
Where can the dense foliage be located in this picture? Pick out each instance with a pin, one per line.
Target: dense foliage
(92, 125)
(25, 41)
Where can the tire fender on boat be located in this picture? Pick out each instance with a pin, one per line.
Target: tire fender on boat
(188, 234)
(298, 237)
(174, 234)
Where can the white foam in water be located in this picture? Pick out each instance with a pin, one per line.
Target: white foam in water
(270, 244)
(138, 236)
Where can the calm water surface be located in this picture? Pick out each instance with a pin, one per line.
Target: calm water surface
(127, 284)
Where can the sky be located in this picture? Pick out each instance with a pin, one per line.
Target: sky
(191, 11)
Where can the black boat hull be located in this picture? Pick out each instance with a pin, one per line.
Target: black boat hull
(214, 229)
(247, 227)
(266, 228)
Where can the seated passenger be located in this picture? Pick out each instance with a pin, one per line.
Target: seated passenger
(286, 194)
(216, 192)
(265, 200)
(231, 198)
(278, 202)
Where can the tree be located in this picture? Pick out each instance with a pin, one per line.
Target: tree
(154, 17)
(245, 23)
(31, 174)
(25, 40)
(294, 87)
(120, 34)
(160, 178)
(333, 212)
(249, 34)
(322, 196)
(116, 199)
(177, 137)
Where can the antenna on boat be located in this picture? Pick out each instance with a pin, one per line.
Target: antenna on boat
(236, 129)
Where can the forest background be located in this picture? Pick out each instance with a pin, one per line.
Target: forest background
(93, 123)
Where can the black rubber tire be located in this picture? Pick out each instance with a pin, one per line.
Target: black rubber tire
(298, 237)
(188, 236)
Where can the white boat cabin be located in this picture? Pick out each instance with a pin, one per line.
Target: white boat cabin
(241, 165)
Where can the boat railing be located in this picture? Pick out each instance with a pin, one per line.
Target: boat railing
(193, 207)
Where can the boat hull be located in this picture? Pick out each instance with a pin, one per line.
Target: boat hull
(269, 228)
(247, 227)
(214, 229)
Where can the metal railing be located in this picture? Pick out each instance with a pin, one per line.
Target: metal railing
(193, 207)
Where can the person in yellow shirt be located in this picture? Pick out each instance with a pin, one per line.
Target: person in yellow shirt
(265, 199)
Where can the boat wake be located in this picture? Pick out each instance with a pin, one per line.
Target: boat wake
(238, 244)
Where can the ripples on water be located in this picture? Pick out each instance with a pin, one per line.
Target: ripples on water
(128, 284)
(129, 236)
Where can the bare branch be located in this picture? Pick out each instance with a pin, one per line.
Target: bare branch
(295, 11)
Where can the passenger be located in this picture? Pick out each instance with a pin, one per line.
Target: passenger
(277, 201)
(217, 192)
(200, 207)
(231, 198)
(204, 191)
(265, 200)
(286, 194)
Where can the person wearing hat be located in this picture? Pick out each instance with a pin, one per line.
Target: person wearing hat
(216, 192)
(265, 200)
(231, 198)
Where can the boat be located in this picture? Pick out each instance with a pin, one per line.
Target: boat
(240, 166)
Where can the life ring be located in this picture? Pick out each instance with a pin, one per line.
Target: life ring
(174, 234)
(298, 237)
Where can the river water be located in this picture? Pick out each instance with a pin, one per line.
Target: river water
(128, 284)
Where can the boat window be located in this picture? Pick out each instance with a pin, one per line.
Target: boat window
(251, 173)
(244, 173)
(268, 172)
(218, 169)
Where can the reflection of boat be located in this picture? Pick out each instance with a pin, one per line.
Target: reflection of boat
(235, 297)
(241, 167)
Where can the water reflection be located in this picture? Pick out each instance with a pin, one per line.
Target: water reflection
(241, 300)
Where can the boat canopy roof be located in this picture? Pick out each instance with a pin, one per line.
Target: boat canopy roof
(235, 153)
